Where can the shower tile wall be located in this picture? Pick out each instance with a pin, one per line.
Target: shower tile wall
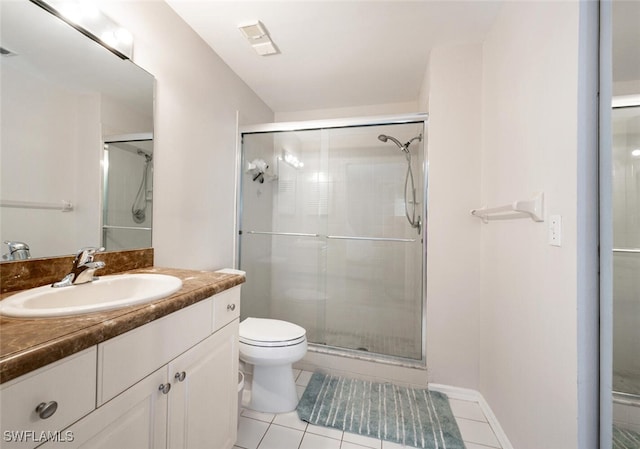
(356, 294)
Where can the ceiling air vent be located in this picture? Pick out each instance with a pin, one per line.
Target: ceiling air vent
(259, 38)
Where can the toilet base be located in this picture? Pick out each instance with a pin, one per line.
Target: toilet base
(273, 389)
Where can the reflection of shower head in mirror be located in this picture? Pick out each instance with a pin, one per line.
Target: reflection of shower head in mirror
(147, 156)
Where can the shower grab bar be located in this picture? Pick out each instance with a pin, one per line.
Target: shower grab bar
(291, 234)
(375, 239)
(132, 228)
(626, 250)
(63, 206)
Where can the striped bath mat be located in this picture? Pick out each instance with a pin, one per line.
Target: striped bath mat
(410, 416)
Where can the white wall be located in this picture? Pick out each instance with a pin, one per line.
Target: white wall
(50, 152)
(529, 329)
(118, 119)
(453, 245)
(508, 118)
(408, 107)
(197, 97)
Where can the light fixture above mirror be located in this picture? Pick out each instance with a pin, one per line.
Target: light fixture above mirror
(85, 16)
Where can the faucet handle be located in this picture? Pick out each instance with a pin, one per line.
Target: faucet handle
(85, 255)
(17, 250)
(15, 246)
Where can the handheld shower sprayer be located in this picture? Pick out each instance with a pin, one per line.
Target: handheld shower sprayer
(408, 180)
(139, 206)
(403, 147)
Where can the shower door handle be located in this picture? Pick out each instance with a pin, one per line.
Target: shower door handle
(291, 234)
(373, 239)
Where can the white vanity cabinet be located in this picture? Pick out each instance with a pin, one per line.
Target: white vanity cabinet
(187, 397)
(202, 407)
(47, 399)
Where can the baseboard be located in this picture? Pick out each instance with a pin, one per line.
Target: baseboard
(466, 394)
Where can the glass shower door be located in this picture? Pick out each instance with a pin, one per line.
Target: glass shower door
(374, 257)
(324, 236)
(283, 220)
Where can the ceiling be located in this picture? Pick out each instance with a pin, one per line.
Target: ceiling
(336, 53)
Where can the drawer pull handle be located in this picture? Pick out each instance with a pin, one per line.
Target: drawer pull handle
(180, 376)
(46, 409)
(231, 307)
(165, 388)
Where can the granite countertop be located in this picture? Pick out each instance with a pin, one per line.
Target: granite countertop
(28, 344)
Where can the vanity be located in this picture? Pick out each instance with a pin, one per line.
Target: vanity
(157, 375)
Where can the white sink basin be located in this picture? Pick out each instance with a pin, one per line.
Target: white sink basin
(106, 293)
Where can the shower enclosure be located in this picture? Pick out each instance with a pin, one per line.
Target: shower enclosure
(626, 267)
(127, 192)
(332, 220)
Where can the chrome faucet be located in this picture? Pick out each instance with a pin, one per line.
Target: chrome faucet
(17, 251)
(83, 269)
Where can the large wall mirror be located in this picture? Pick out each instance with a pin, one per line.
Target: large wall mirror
(625, 127)
(76, 138)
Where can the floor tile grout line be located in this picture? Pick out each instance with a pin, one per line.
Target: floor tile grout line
(492, 431)
(471, 419)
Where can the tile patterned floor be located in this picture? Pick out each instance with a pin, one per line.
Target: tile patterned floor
(286, 431)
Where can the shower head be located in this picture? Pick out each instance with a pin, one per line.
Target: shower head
(384, 138)
(147, 156)
(405, 147)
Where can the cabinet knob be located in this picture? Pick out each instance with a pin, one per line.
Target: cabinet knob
(165, 388)
(46, 409)
(180, 376)
(231, 307)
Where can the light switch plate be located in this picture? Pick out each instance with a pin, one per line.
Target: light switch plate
(555, 230)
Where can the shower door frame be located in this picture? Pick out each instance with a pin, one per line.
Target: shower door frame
(311, 125)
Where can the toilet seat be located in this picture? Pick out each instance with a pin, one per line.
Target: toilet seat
(264, 332)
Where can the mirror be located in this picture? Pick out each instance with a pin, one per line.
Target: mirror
(625, 127)
(62, 95)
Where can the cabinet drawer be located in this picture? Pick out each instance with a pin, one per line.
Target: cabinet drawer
(128, 358)
(226, 307)
(70, 383)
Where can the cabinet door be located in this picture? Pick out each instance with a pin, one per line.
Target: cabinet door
(203, 400)
(136, 419)
(67, 386)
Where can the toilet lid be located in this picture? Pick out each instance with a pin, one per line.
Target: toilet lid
(268, 332)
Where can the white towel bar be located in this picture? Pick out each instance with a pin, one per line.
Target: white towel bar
(532, 208)
(64, 206)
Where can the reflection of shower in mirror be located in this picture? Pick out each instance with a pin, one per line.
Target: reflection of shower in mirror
(128, 191)
(139, 206)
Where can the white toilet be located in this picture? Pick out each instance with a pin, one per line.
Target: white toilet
(272, 346)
